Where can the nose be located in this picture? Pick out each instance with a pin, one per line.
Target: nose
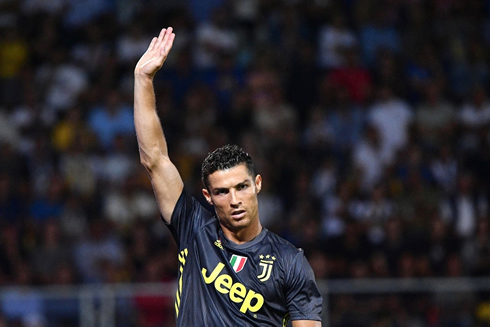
(234, 200)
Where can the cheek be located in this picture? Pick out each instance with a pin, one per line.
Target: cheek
(219, 202)
(252, 198)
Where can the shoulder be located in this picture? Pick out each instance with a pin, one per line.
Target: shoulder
(186, 199)
(189, 213)
(286, 249)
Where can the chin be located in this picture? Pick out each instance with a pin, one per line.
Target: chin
(237, 225)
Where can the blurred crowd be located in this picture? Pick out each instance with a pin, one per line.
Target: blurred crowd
(369, 121)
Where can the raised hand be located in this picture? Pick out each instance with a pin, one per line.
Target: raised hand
(156, 54)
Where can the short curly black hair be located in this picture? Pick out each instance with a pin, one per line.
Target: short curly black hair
(225, 157)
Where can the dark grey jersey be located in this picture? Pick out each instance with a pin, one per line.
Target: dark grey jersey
(264, 282)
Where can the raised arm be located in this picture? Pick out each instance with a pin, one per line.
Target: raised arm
(165, 179)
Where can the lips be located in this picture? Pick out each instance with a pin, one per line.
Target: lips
(237, 214)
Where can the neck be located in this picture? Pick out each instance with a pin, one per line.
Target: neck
(242, 235)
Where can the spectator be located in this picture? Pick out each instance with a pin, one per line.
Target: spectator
(62, 82)
(76, 167)
(51, 205)
(28, 119)
(423, 69)
(12, 253)
(8, 132)
(375, 212)
(369, 159)
(126, 204)
(116, 167)
(333, 39)
(74, 219)
(215, 38)
(51, 255)
(10, 203)
(40, 165)
(93, 51)
(71, 129)
(14, 55)
(468, 65)
(474, 117)
(395, 244)
(393, 118)
(111, 118)
(435, 119)
(317, 134)
(336, 210)
(388, 72)
(90, 254)
(271, 208)
(35, 7)
(378, 35)
(225, 79)
(346, 121)
(80, 13)
(131, 44)
(444, 167)
(352, 76)
(476, 251)
(465, 207)
(275, 119)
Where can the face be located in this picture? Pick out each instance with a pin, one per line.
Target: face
(233, 193)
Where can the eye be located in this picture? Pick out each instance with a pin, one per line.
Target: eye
(241, 187)
(221, 191)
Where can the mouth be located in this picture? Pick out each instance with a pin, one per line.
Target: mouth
(237, 214)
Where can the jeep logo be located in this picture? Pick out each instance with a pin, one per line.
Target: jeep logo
(237, 292)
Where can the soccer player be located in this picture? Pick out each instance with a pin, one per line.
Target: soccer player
(232, 271)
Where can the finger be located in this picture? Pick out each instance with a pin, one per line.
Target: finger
(160, 37)
(168, 45)
(169, 31)
(167, 35)
(170, 41)
(152, 44)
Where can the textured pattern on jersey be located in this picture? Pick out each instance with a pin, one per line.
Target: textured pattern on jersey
(264, 282)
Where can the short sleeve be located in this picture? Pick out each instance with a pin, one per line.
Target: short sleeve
(303, 298)
(187, 218)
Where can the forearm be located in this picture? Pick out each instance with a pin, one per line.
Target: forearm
(149, 132)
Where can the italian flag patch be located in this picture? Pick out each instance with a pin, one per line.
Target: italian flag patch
(237, 262)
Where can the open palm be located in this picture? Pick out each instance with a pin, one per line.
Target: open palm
(154, 57)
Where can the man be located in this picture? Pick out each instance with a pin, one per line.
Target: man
(232, 270)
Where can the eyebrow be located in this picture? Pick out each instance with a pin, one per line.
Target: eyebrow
(218, 189)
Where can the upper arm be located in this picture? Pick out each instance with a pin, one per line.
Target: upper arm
(306, 323)
(303, 297)
(167, 185)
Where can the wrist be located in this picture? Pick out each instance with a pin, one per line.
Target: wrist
(140, 76)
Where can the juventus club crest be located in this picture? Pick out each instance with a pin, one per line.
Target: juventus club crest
(266, 262)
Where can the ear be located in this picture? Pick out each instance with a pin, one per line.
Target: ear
(206, 194)
(258, 183)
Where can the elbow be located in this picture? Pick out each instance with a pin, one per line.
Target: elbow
(148, 164)
(154, 161)
(149, 161)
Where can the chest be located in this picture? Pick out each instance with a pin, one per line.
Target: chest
(253, 273)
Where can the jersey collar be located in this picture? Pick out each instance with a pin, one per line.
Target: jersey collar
(230, 244)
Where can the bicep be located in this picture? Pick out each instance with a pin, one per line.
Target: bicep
(167, 186)
(303, 297)
(306, 323)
